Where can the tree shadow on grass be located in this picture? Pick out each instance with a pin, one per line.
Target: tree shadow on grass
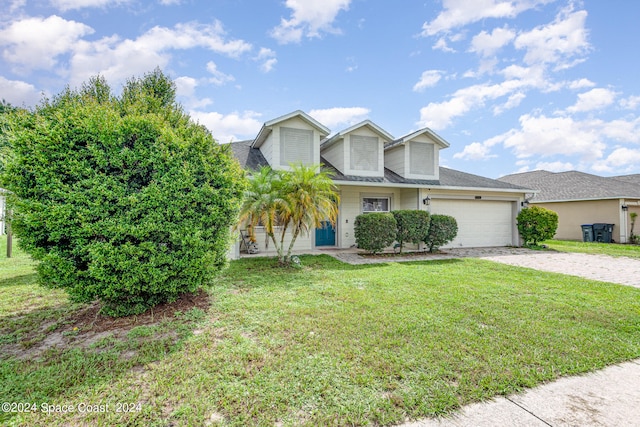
(24, 279)
(46, 352)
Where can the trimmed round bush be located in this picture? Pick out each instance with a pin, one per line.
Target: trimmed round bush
(412, 226)
(443, 229)
(124, 200)
(374, 231)
(537, 224)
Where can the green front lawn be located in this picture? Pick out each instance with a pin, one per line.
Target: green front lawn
(611, 249)
(328, 344)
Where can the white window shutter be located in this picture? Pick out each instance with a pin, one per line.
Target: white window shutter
(296, 146)
(364, 153)
(421, 158)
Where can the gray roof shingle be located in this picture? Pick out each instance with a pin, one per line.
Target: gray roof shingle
(572, 185)
(633, 179)
(252, 158)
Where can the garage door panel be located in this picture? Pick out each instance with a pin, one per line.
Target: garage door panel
(481, 223)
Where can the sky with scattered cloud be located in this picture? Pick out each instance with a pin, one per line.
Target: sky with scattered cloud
(512, 85)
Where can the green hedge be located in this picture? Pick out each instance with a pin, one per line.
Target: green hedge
(125, 200)
(412, 226)
(443, 229)
(536, 224)
(374, 231)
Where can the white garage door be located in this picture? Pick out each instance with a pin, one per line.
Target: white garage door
(481, 223)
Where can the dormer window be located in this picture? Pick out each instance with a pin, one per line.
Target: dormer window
(421, 158)
(296, 145)
(364, 153)
(416, 155)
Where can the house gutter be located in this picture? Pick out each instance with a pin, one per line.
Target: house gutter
(590, 200)
(433, 187)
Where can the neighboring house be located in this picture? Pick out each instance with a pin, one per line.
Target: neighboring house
(375, 172)
(581, 198)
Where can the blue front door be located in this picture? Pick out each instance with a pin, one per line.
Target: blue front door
(326, 235)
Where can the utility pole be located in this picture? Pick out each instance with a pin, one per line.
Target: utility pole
(7, 221)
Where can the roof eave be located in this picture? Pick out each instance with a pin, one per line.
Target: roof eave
(406, 138)
(431, 187)
(586, 200)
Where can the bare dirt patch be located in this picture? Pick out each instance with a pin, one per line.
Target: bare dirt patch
(86, 326)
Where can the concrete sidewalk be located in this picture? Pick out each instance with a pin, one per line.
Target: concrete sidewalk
(610, 397)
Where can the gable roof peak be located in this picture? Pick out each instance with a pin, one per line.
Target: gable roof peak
(412, 135)
(267, 127)
(365, 123)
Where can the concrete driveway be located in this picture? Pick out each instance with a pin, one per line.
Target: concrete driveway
(622, 270)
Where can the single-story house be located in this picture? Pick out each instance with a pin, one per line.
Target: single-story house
(375, 172)
(581, 198)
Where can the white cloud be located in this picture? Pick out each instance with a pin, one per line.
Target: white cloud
(487, 44)
(581, 84)
(65, 5)
(230, 127)
(344, 116)
(594, 99)
(622, 130)
(36, 43)
(16, 5)
(218, 77)
(439, 115)
(630, 103)
(542, 136)
(553, 136)
(555, 166)
(119, 59)
(475, 151)
(309, 18)
(559, 42)
(428, 78)
(547, 136)
(268, 59)
(513, 101)
(442, 45)
(19, 93)
(185, 88)
(620, 161)
(458, 13)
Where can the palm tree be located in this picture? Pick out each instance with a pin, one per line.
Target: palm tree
(262, 202)
(311, 198)
(297, 201)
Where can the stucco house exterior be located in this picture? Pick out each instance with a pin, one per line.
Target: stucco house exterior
(582, 198)
(376, 172)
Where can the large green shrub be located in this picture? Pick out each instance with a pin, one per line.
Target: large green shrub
(125, 200)
(536, 224)
(412, 226)
(443, 229)
(374, 231)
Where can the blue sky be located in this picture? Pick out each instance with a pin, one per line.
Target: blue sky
(512, 85)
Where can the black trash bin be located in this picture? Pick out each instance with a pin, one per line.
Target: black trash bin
(602, 232)
(587, 232)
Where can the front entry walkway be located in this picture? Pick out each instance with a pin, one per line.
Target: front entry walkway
(621, 270)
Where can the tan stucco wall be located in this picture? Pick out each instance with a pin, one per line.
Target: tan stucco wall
(571, 215)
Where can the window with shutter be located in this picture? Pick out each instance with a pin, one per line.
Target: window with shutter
(296, 145)
(364, 153)
(421, 158)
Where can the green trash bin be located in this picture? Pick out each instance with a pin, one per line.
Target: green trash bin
(587, 232)
(603, 233)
